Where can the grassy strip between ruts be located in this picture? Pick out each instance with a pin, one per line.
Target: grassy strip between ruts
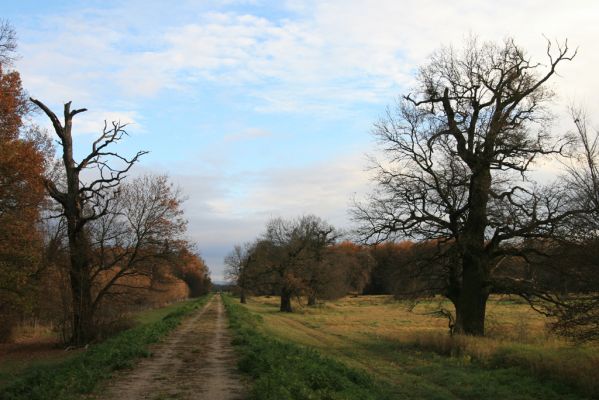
(284, 371)
(79, 375)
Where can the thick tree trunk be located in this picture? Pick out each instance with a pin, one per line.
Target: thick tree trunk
(311, 300)
(471, 302)
(81, 287)
(242, 298)
(83, 323)
(286, 300)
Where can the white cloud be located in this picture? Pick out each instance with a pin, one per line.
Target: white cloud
(328, 54)
(323, 58)
(247, 134)
(224, 208)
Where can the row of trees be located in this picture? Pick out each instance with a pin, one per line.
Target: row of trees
(299, 257)
(81, 221)
(457, 178)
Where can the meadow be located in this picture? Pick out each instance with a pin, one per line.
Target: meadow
(411, 353)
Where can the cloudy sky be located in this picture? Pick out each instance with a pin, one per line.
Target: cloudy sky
(263, 108)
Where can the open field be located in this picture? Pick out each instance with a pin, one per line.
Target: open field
(412, 352)
(286, 371)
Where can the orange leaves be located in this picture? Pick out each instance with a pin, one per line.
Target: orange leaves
(13, 105)
(21, 195)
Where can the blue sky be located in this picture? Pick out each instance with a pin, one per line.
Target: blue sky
(260, 109)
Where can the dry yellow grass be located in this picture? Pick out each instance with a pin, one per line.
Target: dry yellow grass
(381, 335)
(384, 317)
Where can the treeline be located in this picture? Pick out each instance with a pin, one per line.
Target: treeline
(311, 261)
(299, 257)
(79, 254)
(306, 259)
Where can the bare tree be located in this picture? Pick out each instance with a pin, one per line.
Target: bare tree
(83, 202)
(459, 152)
(8, 43)
(575, 310)
(291, 252)
(140, 231)
(318, 266)
(237, 268)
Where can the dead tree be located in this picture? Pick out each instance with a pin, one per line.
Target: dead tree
(459, 150)
(84, 202)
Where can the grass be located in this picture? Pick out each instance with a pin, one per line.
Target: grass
(412, 352)
(285, 371)
(79, 374)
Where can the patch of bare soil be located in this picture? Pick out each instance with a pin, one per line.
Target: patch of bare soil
(194, 362)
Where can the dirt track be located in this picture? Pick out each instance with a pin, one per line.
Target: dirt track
(195, 362)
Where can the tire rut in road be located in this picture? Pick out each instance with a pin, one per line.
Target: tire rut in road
(194, 362)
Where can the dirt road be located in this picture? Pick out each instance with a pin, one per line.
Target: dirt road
(195, 362)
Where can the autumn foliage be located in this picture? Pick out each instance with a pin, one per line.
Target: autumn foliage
(22, 162)
(110, 244)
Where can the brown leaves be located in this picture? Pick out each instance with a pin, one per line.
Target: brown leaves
(22, 163)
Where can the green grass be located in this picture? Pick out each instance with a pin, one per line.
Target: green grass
(414, 355)
(79, 375)
(285, 371)
(570, 366)
(156, 314)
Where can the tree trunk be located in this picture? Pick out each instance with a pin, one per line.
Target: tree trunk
(242, 298)
(81, 287)
(79, 246)
(286, 300)
(311, 300)
(471, 302)
(83, 323)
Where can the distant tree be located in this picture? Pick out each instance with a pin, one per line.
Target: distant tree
(388, 256)
(342, 268)
(459, 151)
(82, 203)
(355, 263)
(192, 269)
(290, 256)
(238, 266)
(318, 269)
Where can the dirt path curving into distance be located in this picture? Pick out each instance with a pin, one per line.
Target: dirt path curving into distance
(195, 362)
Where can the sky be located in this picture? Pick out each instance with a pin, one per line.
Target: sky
(260, 109)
